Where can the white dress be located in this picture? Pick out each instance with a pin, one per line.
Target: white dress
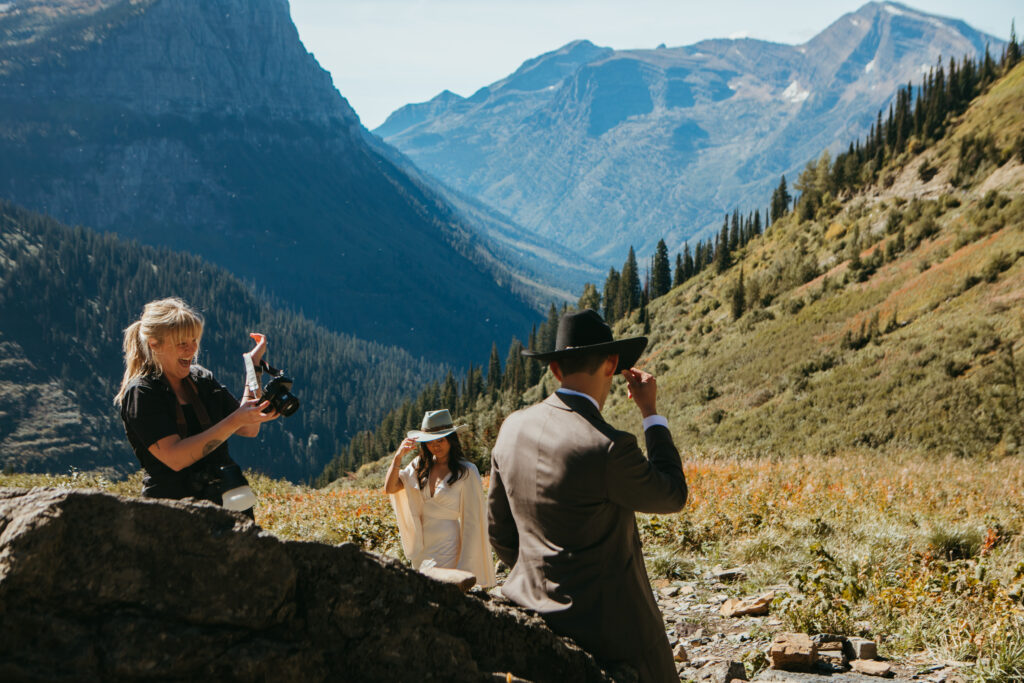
(448, 529)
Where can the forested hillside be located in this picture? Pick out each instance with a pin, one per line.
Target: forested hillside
(66, 294)
(882, 310)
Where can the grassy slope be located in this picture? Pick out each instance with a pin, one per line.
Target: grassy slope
(936, 379)
(786, 383)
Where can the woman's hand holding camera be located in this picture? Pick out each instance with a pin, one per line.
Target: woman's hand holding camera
(250, 412)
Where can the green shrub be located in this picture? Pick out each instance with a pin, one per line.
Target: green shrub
(827, 594)
(955, 543)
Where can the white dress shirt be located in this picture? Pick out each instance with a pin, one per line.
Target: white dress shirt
(649, 421)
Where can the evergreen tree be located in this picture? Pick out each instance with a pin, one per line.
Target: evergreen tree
(612, 303)
(590, 298)
(738, 298)
(548, 331)
(679, 276)
(514, 380)
(661, 279)
(494, 371)
(449, 393)
(723, 259)
(629, 285)
(780, 201)
(734, 231)
(1013, 49)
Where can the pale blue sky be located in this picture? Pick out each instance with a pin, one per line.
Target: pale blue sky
(383, 54)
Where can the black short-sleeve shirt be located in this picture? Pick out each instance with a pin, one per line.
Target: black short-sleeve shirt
(149, 414)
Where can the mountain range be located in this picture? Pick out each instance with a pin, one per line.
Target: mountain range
(206, 126)
(598, 149)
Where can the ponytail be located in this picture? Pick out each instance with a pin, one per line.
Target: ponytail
(160, 319)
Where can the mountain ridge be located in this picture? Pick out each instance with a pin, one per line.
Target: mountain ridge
(638, 145)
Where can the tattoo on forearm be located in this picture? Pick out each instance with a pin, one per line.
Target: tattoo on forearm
(210, 447)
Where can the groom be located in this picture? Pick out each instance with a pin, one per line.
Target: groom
(564, 488)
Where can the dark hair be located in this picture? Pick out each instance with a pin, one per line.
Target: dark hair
(456, 461)
(584, 362)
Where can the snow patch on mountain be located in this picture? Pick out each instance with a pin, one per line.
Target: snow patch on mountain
(794, 94)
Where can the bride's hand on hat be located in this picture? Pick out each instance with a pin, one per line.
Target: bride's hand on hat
(643, 389)
(407, 446)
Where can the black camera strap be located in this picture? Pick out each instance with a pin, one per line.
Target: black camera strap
(192, 398)
(264, 365)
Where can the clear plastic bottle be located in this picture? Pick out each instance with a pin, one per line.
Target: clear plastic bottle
(237, 495)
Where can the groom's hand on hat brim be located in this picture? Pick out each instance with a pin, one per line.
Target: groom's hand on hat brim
(643, 389)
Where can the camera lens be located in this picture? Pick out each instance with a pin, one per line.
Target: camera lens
(287, 405)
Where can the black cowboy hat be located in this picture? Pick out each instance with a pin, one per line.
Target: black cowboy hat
(581, 332)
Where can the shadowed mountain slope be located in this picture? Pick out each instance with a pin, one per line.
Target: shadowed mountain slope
(207, 127)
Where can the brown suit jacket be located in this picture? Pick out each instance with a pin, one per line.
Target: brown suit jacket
(564, 488)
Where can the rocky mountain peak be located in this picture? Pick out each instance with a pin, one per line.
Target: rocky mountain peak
(188, 57)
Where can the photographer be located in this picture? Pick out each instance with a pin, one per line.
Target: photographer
(177, 416)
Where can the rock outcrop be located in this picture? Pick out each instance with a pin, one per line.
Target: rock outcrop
(98, 587)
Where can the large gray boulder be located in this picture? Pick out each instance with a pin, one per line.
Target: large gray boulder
(98, 587)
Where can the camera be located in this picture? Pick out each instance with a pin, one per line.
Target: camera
(279, 393)
(278, 390)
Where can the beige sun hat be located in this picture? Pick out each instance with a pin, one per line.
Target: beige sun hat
(436, 424)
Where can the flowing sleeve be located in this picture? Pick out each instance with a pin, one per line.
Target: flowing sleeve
(408, 505)
(475, 548)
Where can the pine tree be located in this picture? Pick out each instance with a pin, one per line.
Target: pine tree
(612, 309)
(723, 259)
(734, 231)
(449, 393)
(546, 335)
(780, 201)
(494, 371)
(738, 298)
(1013, 49)
(661, 279)
(514, 380)
(679, 275)
(590, 298)
(629, 284)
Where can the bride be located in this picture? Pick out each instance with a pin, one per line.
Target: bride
(439, 501)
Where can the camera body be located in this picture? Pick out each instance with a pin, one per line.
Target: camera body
(279, 393)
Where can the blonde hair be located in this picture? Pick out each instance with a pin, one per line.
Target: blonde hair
(169, 318)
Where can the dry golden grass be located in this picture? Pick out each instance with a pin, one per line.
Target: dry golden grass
(924, 554)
